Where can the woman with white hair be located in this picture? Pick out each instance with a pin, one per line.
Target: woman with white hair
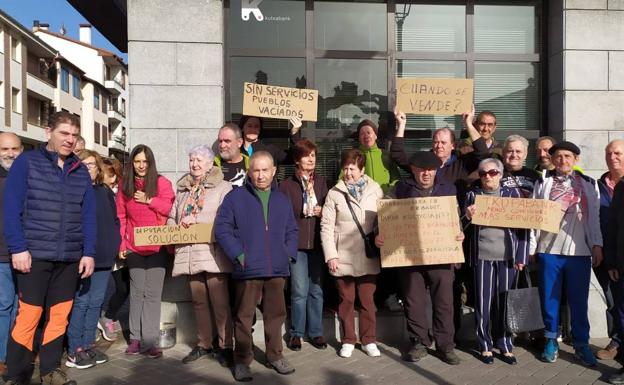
(496, 254)
(199, 195)
(516, 174)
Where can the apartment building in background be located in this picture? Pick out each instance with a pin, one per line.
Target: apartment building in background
(27, 82)
(39, 77)
(104, 87)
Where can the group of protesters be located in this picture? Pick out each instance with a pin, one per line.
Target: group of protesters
(69, 260)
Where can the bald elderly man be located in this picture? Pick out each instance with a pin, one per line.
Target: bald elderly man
(10, 148)
(257, 230)
(614, 157)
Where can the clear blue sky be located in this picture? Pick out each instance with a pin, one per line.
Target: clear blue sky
(55, 13)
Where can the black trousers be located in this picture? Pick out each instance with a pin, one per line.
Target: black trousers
(48, 288)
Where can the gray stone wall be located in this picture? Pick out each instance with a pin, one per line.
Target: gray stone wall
(175, 56)
(592, 57)
(175, 51)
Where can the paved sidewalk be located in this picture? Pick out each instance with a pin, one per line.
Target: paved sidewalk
(326, 367)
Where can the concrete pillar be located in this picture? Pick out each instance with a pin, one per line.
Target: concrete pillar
(587, 93)
(175, 56)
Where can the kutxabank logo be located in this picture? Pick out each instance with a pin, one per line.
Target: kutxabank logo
(251, 6)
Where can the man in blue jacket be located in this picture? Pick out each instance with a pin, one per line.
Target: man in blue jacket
(50, 231)
(256, 228)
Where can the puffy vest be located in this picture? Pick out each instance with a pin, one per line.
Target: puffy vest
(52, 217)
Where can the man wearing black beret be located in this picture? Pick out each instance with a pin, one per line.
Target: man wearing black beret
(569, 253)
(414, 280)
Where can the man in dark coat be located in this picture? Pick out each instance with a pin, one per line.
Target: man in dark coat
(414, 280)
(257, 230)
(10, 148)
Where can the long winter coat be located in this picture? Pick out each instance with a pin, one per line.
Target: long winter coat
(200, 257)
(339, 234)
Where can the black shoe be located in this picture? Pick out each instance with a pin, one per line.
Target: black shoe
(450, 357)
(195, 354)
(242, 373)
(318, 342)
(225, 357)
(416, 352)
(511, 360)
(97, 356)
(486, 359)
(294, 344)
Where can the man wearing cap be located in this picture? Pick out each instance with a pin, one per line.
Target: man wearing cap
(414, 280)
(570, 253)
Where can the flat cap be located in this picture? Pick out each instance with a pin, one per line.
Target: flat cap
(565, 146)
(425, 159)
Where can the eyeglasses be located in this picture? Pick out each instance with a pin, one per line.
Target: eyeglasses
(492, 173)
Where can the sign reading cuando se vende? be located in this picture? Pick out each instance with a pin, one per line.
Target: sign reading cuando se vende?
(425, 96)
(279, 102)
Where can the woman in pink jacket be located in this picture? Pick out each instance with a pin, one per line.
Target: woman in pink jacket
(145, 199)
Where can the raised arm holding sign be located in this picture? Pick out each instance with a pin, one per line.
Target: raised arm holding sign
(425, 96)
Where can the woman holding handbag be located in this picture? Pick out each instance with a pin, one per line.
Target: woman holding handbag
(144, 200)
(348, 216)
(495, 267)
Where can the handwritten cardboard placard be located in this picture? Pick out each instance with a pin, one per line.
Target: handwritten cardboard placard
(279, 102)
(172, 235)
(419, 231)
(518, 213)
(426, 96)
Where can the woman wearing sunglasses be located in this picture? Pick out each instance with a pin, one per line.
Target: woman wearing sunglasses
(495, 267)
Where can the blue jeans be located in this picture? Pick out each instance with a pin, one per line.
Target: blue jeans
(86, 311)
(8, 305)
(577, 273)
(306, 299)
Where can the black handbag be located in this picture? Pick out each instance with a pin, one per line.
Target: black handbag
(371, 250)
(523, 308)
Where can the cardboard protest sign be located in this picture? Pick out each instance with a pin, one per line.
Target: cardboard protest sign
(171, 235)
(419, 231)
(279, 102)
(518, 213)
(426, 96)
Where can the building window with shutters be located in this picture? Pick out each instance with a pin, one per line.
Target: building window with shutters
(76, 86)
(64, 79)
(96, 132)
(104, 136)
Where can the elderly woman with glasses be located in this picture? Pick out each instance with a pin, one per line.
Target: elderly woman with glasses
(199, 196)
(496, 254)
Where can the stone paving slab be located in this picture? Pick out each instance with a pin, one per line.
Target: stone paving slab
(316, 367)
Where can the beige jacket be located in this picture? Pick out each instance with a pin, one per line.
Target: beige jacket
(200, 257)
(339, 234)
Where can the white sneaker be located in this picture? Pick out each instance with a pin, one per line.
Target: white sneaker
(371, 349)
(346, 350)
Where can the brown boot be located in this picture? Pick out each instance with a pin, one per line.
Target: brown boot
(2, 369)
(57, 377)
(609, 352)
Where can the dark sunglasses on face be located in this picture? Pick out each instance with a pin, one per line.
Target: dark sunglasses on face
(492, 173)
